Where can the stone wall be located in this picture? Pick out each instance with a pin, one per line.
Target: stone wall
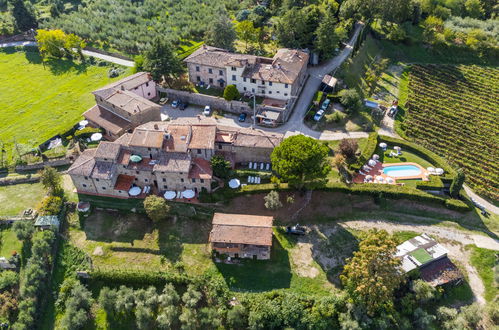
(37, 166)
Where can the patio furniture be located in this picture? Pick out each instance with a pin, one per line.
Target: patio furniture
(96, 137)
(371, 162)
(366, 168)
(390, 180)
(134, 191)
(375, 157)
(360, 172)
(250, 165)
(268, 167)
(383, 146)
(439, 171)
(179, 194)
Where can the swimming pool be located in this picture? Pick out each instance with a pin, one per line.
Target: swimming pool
(399, 171)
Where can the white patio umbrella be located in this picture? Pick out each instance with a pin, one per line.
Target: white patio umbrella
(383, 145)
(371, 162)
(397, 148)
(83, 123)
(170, 194)
(96, 137)
(375, 157)
(390, 180)
(188, 193)
(369, 177)
(134, 191)
(439, 171)
(430, 169)
(380, 179)
(234, 183)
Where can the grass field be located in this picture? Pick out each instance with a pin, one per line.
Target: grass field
(485, 262)
(40, 100)
(452, 110)
(9, 243)
(15, 199)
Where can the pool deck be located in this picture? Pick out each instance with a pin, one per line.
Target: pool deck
(377, 170)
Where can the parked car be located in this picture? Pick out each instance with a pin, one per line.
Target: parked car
(268, 122)
(207, 110)
(183, 105)
(242, 117)
(393, 111)
(296, 230)
(319, 114)
(175, 103)
(325, 104)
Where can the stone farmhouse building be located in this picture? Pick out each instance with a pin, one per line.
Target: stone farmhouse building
(241, 235)
(279, 78)
(124, 105)
(172, 156)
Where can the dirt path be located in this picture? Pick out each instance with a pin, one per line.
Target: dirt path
(454, 240)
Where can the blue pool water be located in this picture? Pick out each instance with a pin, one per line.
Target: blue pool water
(397, 171)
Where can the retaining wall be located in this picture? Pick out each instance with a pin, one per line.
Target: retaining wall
(37, 166)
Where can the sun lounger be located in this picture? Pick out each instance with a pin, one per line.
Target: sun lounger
(259, 180)
(179, 194)
(250, 165)
(268, 167)
(249, 179)
(360, 172)
(262, 166)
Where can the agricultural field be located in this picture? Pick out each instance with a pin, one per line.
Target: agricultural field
(453, 110)
(42, 99)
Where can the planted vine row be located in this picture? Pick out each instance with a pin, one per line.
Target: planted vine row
(454, 111)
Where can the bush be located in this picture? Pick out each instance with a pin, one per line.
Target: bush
(221, 167)
(348, 148)
(435, 183)
(50, 205)
(457, 205)
(8, 279)
(350, 98)
(457, 184)
(231, 93)
(272, 201)
(156, 208)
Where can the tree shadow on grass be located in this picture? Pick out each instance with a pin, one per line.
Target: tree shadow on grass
(61, 66)
(259, 275)
(33, 56)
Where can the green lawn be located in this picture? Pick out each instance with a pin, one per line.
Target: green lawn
(485, 262)
(40, 100)
(9, 243)
(15, 199)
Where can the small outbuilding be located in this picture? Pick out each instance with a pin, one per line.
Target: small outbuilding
(47, 222)
(242, 235)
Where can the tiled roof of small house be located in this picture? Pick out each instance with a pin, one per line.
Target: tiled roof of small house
(147, 138)
(84, 164)
(174, 162)
(203, 137)
(200, 169)
(106, 119)
(241, 229)
(103, 170)
(107, 150)
(47, 220)
(127, 83)
(129, 101)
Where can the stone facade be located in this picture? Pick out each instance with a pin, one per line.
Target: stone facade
(167, 156)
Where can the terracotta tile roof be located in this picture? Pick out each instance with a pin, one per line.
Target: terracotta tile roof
(84, 164)
(124, 140)
(146, 164)
(108, 150)
(203, 137)
(178, 139)
(174, 162)
(129, 101)
(124, 157)
(224, 137)
(127, 83)
(218, 57)
(242, 229)
(103, 170)
(147, 138)
(124, 182)
(256, 140)
(107, 120)
(201, 169)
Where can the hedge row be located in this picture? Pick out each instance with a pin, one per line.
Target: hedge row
(435, 183)
(367, 152)
(136, 278)
(373, 190)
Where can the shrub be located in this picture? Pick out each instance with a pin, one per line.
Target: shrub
(367, 152)
(50, 205)
(457, 184)
(350, 98)
(231, 93)
(156, 208)
(435, 183)
(457, 205)
(272, 201)
(8, 279)
(348, 148)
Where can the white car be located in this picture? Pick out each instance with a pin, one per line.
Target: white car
(318, 116)
(207, 110)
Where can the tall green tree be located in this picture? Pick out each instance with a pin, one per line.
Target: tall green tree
(372, 275)
(300, 160)
(51, 180)
(221, 33)
(231, 93)
(161, 61)
(388, 10)
(247, 32)
(24, 15)
(156, 208)
(328, 36)
(457, 184)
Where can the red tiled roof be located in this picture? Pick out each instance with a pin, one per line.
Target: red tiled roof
(106, 119)
(124, 182)
(242, 229)
(201, 169)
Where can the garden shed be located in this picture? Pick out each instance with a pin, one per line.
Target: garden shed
(47, 222)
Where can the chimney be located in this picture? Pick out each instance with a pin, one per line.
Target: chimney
(156, 127)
